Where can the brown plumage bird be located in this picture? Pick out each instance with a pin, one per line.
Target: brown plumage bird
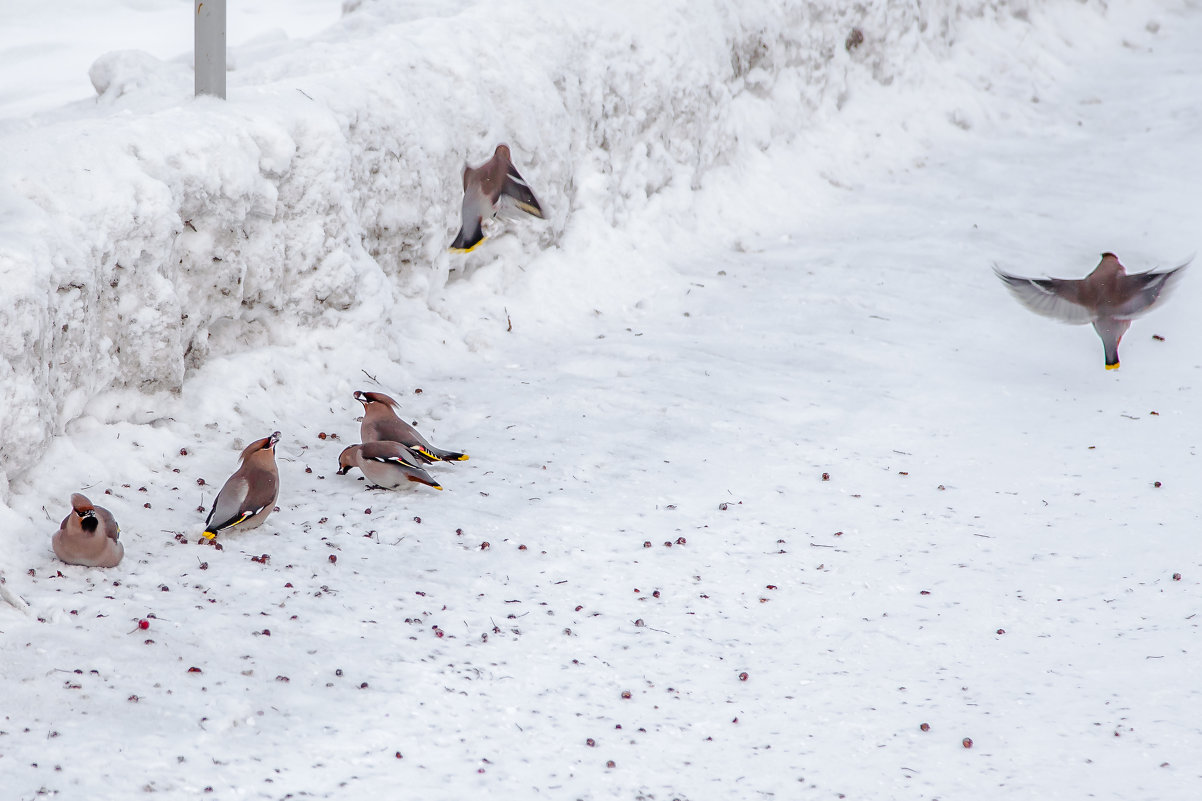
(386, 464)
(486, 189)
(249, 495)
(1107, 297)
(88, 536)
(381, 422)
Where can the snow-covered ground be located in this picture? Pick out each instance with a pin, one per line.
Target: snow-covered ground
(771, 339)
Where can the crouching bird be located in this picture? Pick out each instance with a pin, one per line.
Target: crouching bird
(390, 465)
(249, 495)
(1107, 297)
(380, 422)
(88, 536)
(487, 189)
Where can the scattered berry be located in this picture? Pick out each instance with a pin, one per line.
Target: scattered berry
(321, 435)
(1156, 484)
(626, 694)
(826, 476)
(333, 559)
(1001, 631)
(925, 727)
(183, 451)
(743, 676)
(591, 743)
(200, 482)
(194, 669)
(966, 742)
(143, 624)
(484, 546)
(417, 520)
(647, 544)
(611, 764)
(1176, 577)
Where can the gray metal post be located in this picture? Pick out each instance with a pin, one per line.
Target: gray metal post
(209, 47)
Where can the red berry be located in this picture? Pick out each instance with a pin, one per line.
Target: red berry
(143, 624)
(826, 476)
(743, 676)
(966, 742)
(1176, 577)
(925, 727)
(333, 559)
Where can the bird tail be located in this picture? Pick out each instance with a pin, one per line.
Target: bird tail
(469, 238)
(448, 456)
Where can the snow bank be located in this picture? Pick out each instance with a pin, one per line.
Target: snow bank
(147, 230)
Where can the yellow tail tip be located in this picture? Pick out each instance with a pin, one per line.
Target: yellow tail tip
(469, 249)
(437, 487)
(1114, 366)
(462, 458)
(209, 535)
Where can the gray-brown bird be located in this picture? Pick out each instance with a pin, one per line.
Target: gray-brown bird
(249, 495)
(486, 190)
(381, 422)
(386, 464)
(1107, 297)
(88, 536)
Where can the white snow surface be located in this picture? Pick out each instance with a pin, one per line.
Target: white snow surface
(770, 468)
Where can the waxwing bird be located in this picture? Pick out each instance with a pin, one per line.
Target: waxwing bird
(88, 536)
(485, 188)
(1107, 297)
(386, 464)
(380, 422)
(249, 494)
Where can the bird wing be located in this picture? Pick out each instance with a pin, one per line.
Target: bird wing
(1143, 291)
(392, 452)
(1050, 297)
(518, 191)
(239, 500)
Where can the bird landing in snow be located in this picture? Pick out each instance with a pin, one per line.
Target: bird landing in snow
(488, 189)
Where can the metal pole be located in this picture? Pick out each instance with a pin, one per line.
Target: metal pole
(209, 47)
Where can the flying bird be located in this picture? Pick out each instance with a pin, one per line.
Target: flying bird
(1107, 297)
(386, 464)
(486, 190)
(88, 536)
(249, 495)
(381, 422)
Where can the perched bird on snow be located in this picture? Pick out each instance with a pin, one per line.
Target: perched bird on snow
(386, 464)
(485, 189)
(249, 494)
(380, 422)
(88, 536)
(1107, 297)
